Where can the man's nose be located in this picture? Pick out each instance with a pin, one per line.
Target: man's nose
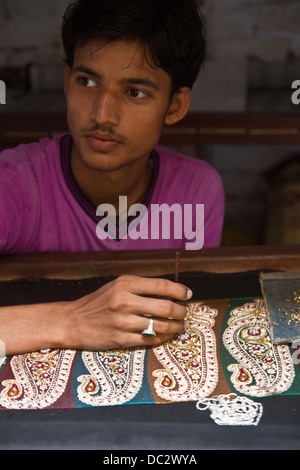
(106, 108)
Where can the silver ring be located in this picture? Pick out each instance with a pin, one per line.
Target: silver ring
(149, 331)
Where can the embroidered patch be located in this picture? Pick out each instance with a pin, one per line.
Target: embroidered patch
(115, 377)
(263, 368)
(190, 361)
(40, 378)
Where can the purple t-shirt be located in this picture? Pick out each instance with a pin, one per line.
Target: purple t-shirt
(43, 210)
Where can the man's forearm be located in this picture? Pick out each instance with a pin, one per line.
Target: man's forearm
(113, 317)
(32, 327)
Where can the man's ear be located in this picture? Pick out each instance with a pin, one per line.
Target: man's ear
(67, 79)
(179, 106)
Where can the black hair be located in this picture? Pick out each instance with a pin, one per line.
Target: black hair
(171, 30)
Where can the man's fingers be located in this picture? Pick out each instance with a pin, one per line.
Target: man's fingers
(154, 287)
(163, 326)
(136, 339)
(161, 308)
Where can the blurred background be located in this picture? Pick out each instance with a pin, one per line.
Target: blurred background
(242, 119)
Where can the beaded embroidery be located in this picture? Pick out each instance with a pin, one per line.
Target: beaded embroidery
(40, 378)
(263, 369)
(231, 410)
(114, 378)
(183, 369)
(190, 361)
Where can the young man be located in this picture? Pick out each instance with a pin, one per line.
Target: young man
(130, 69)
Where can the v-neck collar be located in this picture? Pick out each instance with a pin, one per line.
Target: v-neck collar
(86, 205)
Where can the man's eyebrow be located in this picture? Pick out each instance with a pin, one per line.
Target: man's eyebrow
(124, 81)
(139, 81)
(86, 70)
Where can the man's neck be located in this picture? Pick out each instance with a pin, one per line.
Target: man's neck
(101, 187)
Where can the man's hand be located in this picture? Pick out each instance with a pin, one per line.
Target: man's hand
(115, 315)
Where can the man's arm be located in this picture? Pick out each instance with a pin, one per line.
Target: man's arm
(112, 317)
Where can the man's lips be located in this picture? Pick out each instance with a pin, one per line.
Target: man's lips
(102, 142)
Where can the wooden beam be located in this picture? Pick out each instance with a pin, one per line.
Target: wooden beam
(150, 263)
(195, 129)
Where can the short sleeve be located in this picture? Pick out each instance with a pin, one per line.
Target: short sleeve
(13, 209)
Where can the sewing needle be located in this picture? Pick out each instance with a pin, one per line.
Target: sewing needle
(177, 267)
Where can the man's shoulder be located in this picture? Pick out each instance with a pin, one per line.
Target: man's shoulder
(187, 179)
(31, 152)
(177, 161)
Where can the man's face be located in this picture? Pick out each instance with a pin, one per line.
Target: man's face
(116, 103)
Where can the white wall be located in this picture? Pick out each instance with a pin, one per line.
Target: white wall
(241, 32)
(30, 31)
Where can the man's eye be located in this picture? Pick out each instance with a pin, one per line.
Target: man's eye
(136, 93)
(86, 82)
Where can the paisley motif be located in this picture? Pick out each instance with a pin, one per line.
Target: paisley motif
(190, 366)
(40, 378)
(263, 368)
(114, 378)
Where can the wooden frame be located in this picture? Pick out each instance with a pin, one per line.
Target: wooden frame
(195, 129)
(149, 263)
